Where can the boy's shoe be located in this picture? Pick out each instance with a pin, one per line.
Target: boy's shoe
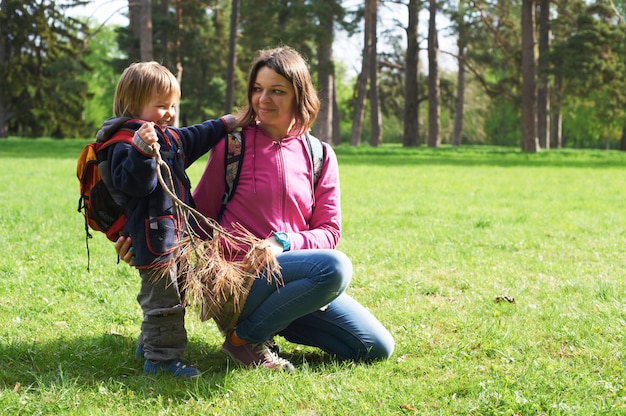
(174, 367)
(256, 355)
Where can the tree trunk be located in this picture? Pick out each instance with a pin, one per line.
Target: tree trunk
(325, 76)
(359, 105)
(556, 122)
(530, 142)
(5, 115)
(145, 31)
(166, 58)
(543, 90)
(359, 108)
(457, 132)
(179, 61)
(462, 41)
(232, 57)
(376, 138)
(140, 21)
(336, 116)
(622, 142)
(411, 90)
(134, 22)
(434, 136)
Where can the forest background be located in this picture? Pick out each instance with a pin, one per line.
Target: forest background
(537, 74)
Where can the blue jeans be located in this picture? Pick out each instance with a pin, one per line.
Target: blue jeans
(312, 309)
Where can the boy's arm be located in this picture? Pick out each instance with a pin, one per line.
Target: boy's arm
(133, 165)
(132, 171)
(200, 138)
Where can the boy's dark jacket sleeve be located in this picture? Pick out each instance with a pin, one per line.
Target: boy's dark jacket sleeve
(212, 131)
(152, 224)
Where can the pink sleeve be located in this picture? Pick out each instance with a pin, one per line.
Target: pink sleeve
(325, 225)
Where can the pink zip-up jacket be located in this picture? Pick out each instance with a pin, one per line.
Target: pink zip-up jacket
(275, 191)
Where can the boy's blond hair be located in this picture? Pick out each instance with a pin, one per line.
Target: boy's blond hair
(139, 83)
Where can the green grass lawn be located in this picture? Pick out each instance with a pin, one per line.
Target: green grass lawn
(500, 274)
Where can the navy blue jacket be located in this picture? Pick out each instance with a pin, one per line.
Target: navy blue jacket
(152, 224)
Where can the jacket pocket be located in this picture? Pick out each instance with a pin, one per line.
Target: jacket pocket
(161, 235)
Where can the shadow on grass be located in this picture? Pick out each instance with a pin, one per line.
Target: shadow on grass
(88, 363)
(83, 359)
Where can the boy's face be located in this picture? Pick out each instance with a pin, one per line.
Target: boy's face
(160, 110)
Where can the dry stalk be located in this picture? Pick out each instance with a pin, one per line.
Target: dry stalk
(212, 283)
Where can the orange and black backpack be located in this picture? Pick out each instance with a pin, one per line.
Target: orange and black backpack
(104, 209)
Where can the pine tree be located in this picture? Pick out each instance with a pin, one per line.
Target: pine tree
(41, 61)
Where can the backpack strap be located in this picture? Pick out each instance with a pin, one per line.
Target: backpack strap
(317, 155)
(130, 126)
(233, 158)
(181, 174)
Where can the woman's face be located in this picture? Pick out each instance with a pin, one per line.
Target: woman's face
(273, 101)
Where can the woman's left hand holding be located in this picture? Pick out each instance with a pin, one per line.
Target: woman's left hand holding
(124, 249)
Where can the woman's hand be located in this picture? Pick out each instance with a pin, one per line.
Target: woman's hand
(124, 249)
(276, 247)
(261, 258)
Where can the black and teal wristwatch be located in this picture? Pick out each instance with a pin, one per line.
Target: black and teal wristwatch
(283, 239)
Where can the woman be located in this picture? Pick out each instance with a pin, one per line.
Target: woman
(277, 199)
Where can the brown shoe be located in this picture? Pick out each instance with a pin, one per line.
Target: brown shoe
(260, 354)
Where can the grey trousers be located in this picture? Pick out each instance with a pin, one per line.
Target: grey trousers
(163, 335)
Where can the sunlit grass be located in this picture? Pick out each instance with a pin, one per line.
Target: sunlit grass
(500, 274)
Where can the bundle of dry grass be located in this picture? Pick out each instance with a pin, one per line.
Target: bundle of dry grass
(214, 284)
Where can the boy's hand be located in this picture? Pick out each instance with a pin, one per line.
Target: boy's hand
(148, 134)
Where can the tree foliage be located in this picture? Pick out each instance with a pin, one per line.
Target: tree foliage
(41, 68)
(58, 75)
(101, 81)
(592, 60)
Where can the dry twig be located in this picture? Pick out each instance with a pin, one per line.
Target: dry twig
(212, 282)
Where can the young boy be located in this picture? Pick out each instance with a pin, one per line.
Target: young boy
(148, 92)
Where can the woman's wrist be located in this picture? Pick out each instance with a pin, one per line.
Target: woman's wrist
(283, 239)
